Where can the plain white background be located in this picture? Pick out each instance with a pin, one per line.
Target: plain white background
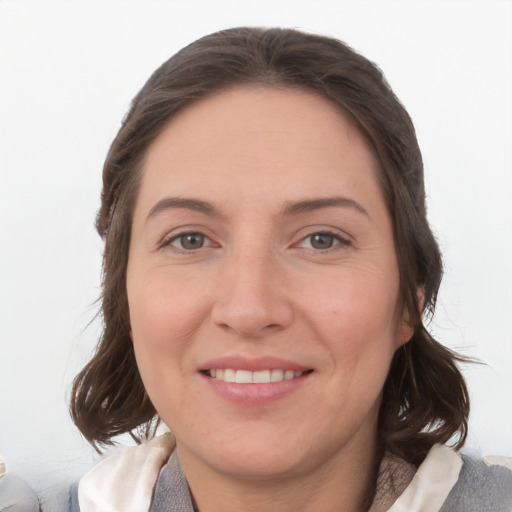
(68, 71)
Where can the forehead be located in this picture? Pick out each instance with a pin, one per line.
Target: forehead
(264, 140)
(248, 111)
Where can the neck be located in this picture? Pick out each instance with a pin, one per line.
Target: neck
(346, 481)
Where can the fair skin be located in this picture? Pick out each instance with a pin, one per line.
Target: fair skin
(261, 243)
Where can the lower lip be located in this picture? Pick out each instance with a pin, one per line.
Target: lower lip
(254, 394)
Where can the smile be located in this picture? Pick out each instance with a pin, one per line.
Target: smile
(258, 377)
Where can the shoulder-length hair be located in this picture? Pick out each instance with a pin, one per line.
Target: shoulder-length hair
(425, 399)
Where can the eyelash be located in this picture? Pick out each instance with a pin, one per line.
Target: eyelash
(337, 241)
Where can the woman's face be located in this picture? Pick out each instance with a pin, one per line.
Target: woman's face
(262, 253)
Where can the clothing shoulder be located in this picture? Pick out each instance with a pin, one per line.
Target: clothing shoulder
(483, 486)
(447, 481)
(171, 491)
(125, 481)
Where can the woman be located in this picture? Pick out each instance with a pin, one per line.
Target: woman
(267, 266)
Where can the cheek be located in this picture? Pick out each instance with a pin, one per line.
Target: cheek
(164, 316)
(357, 305)
(357, 321)
(164, 310)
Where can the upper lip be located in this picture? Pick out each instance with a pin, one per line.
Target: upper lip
(252, 364)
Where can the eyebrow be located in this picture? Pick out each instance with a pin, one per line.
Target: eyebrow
(291, 208)
(197, 205)
(309, 205)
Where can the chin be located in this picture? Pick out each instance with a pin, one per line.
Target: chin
(255, 456)
(264, 466)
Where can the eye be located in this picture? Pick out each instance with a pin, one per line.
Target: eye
(323, 241)
(189, 241)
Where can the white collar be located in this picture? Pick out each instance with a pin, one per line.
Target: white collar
(432, 483)
(125, 481)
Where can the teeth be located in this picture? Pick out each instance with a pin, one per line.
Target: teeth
(261, 377)
(276, 375)
(248, 377)
(243, 377)
(229, 375)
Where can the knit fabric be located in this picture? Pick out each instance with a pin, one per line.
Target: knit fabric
(171, 492)
(479, 488)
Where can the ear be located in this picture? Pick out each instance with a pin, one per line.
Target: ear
(405, 329)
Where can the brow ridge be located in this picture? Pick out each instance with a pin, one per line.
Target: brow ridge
(197, 205)
(308, 205)
(291, 208)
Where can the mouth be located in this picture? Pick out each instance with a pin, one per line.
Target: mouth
(257, 377)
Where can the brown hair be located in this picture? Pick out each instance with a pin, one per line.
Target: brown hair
(425, 399)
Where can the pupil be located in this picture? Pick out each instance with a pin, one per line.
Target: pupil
(322, 241)
(192, 241)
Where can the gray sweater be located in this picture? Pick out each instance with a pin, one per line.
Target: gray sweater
(480, 488)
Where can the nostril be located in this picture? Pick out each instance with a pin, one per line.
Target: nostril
(251, 316)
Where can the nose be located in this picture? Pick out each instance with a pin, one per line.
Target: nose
(251, 297)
